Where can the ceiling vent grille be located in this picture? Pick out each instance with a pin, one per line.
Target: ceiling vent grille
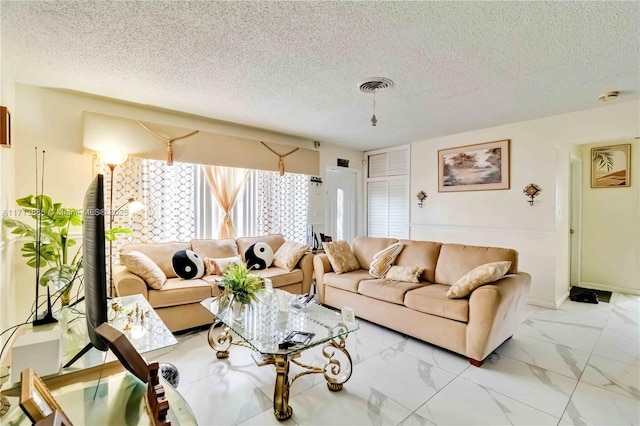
(376, 84)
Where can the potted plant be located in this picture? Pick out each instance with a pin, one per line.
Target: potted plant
(53, 222)
(238, 283)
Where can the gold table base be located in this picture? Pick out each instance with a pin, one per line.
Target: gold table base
(331, 369)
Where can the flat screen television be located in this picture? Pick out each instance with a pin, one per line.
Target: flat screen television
(94, 265)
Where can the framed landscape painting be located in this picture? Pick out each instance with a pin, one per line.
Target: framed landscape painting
(478, 167)
(611, 166)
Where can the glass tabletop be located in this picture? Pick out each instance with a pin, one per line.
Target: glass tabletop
(114, 400)
(265, 324)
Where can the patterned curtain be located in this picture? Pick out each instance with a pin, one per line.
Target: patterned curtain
(168, 196)
(282, 205)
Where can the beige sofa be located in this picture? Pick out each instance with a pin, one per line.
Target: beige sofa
(178, 301)
(474, 326)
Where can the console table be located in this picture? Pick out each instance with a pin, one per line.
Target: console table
(152, 335)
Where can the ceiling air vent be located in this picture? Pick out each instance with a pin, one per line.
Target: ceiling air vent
(376, 84)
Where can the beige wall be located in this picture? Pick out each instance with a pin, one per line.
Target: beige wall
(52, 120)
(540, 154)
(610, 228)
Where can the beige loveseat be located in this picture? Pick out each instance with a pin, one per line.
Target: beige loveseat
(473, 326)
(178, 301)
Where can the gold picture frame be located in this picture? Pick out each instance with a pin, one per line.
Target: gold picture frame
(35, 398)
(479, 167)
(611, 166)
(5, 127)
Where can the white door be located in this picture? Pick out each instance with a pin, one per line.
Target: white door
(341, 206)
(574, 220)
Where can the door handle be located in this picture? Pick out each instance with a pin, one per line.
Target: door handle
(571, 231)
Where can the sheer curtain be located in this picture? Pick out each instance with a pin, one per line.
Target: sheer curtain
(225, 184)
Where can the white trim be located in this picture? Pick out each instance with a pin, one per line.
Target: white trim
(360, 208)
(479, 228)
(542, 303)
(384, 150)
(577, 227)
(605, 287)
(562, 299)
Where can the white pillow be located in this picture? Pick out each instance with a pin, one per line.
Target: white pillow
(219, 266)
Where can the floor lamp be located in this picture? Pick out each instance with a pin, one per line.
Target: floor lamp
(112, 160)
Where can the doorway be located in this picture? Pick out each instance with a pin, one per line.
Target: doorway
(341, 206)
(575, 219)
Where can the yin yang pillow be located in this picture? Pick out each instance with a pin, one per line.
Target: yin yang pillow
(259, 256)
(188, 265)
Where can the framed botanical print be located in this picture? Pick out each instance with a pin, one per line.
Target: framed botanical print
(477, 167)
(611, 166)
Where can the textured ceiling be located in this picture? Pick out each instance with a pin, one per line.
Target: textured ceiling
(295, 67)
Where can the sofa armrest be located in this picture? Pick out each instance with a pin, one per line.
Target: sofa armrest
(306, 265)
(127, 283)
(321, 266)
(493, 313)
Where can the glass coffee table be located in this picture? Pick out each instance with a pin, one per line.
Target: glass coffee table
(265, 325)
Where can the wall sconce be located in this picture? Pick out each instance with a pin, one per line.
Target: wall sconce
(532, 190)
(421, 197)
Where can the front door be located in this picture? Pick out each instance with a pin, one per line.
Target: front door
(341, 206)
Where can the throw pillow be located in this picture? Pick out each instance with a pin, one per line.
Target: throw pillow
(145, 268)
(188, 265)
(383, 260)
(483, 274)
(219, 266)
(341, 257)
(259, 256)
(289, 254)
(410, 274)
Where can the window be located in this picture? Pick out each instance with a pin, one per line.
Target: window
(388, 193)
(180, 206)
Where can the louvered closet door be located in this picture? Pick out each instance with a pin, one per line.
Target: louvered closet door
(388, 208)
(388, 194)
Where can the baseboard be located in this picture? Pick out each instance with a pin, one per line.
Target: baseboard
(562, 299)
(542, 303)
(598, 286)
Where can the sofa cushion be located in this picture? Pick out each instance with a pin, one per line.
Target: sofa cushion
(383, 260)
(280, 277)
(365, 247)
(289, 254)
(274, 241)
(215, 248)
(160, 253)
(432, 299)
(410, 274)
(177, 291)
(341, 257)
(455, 260)
(387, 290)
(483, 274)
(142, 266)
(348, 281)
(420, 253)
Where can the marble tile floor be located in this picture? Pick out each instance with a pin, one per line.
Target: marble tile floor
(577, 365)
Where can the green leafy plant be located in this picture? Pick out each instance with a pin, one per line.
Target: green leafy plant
(55, 221)
(237, 281)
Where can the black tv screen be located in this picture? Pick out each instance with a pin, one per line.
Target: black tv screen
(94, 260)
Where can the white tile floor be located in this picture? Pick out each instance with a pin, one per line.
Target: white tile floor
(575, 365)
